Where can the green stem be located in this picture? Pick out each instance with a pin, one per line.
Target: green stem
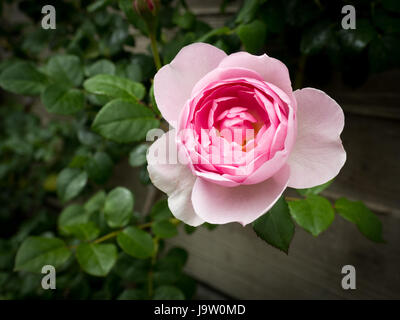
(154, 49)
(114, 234)
(298, 83)
(107, 236)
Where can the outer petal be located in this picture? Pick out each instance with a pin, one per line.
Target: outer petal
(271, 69)
(174, 82)
(175, 179)
(318, 154)
(243, 204)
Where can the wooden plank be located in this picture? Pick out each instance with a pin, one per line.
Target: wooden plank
(232, 259)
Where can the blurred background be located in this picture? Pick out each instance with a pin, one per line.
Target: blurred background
(359, 68)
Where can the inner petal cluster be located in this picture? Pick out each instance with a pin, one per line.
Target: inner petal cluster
(233, 127)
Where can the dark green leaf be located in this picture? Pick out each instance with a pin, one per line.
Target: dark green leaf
(168, 293)
(36, 252)
(314, 190)
(23, 78)
(187, 284)
(175, 259)
(84, 231)
(97, 5)
(70, 183)
(391, 5)
(248, 11)
(357, 39)
(137, 157)
(132, 294)
(118, 208)
(62, 100)
(316, 38)
(74, 214)
(136, 242)
(65, 69)
(96, 202)
(164, 229)
(102, 66)
(252, 35)
(96, 259)
(184, 21)
(276, 226)
(315, 214)
(160, 211)
(189, 229)
(124, 121)
(115, 87)
(366, 221)
(100, 167)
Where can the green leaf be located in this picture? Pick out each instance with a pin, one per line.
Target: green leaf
(252, 35)
(391, 5)
(385, 22)
(70, 183)
(137, 157)
(84, 231)
(366, 221)
(118, 208)
(160, 211)
(115, 87)
(276, 226)
(314, 190)
(65, 69)
(355, 40)
(100, 167)
(189, 229)
(248, 11)
(72, 215)
(316, 38)
(315, 214)
(136, 242)
(168, 293)
(384, 53)
(96, 259)
(74, 221)
(175, 259)
(124, 121)
(35, 252)
(97, 5)
(96, 202)
(23, 78)
(184, 21)
(164, 229)
(102, 66)
(132, 294)
(62, 100)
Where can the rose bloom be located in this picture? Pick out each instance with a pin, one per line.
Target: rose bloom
(240, 134)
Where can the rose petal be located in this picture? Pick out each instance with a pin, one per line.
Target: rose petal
(243, 204)
(174, 82)
(272, 70)
(318, 154)
(175, 179)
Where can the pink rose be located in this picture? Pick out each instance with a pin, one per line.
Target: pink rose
(241, 135)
